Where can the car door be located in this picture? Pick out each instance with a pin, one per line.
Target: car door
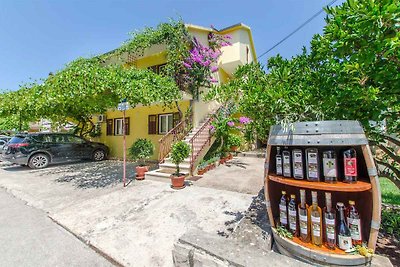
(60, 148)
(80, 147)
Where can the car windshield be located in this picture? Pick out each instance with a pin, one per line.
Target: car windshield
(17, 139)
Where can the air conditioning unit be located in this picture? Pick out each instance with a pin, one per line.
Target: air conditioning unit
(101, 118)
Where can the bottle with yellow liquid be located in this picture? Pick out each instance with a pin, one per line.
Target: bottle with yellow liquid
(316, 220)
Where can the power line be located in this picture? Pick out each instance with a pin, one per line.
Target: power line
(297, 29)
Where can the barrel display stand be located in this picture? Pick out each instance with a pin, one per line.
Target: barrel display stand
(337, 135)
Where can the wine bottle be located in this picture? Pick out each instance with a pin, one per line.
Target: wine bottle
(292, 215)
(312, 164)
(303, 218)
(350, 165)
(278, 159)
(354, 223)
(298, 169)
(344, 235)
(316, 220)
(330, 222)
(329, 166)
(286, 164)
(283, 218)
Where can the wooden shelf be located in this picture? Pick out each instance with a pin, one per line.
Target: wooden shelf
(360, 186)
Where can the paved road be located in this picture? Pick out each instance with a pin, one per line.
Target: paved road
(29, 238)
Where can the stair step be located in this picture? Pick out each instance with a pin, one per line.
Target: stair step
(170, 165)
(162, 173)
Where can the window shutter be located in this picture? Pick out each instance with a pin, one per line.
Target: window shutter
(127, 126)
(176, 118)
(110, 127)
(152, 124)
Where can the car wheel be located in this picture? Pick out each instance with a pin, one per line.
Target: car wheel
(39, 161)
(99, 155)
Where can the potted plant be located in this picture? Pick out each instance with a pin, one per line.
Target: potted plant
(234, 141)
(180, 150)
(201, 168)
(141, 150)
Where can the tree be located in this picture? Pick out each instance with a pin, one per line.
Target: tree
(352, 72)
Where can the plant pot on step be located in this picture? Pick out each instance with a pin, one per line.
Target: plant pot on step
(140, 172)
(234, 148)
(178, 181)
(201, 171)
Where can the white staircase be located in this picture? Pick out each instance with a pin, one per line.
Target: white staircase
(201, 143)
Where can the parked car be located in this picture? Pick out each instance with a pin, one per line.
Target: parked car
(38, 150)
(3, 140)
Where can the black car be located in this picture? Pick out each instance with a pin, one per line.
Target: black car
(38, 150)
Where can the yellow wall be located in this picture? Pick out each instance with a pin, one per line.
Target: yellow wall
(138, 127)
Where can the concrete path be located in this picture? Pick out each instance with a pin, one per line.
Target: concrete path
(241, 174)
(29, 238)
(136, 225)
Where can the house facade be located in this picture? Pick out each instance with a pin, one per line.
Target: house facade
(153, 122)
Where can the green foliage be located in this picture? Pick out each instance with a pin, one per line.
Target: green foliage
(390, 221)
(179, 151)
(141, 150)
(12, 122)
(283, 232)
(390, 193)
(234, 140)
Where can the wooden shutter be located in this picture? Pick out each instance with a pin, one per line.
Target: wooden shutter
(127, 125)
(152, 124)
(109, 127)
(176, 118)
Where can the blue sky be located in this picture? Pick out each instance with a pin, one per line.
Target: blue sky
(39, 36)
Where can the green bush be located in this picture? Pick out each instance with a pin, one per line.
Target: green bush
(390, 219)
(141, 150)
(180, 150)
(234, 140)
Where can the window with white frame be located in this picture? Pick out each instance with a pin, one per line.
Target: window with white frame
(118, 126)
(165, 123)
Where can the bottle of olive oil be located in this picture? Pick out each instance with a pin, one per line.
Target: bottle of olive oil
(298, 166)
(312, 165)
(278, 160)
(287, 171)
(354, 223)
(304, 218)
(316, 220)
(292, 210)
(329, 162)
(283, 213)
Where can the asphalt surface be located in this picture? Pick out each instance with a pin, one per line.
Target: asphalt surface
(29, 238)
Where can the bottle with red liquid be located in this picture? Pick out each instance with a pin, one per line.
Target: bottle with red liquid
(350, 166)
(354, 223)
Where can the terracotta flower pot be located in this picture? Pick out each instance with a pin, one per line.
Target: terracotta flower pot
(234, 148)
(178, 182)
(140, 171)
(201, 171)
(230, 156)
(222, 161)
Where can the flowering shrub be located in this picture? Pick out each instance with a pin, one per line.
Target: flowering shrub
(201, 62)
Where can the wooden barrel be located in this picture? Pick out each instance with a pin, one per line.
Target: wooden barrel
(336, 135)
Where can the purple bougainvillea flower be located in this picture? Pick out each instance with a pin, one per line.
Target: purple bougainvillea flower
(231, 123)
(187, 65)
(228, 36)
(212, 128)
(213, 80)
(244, 120)
(214, 69)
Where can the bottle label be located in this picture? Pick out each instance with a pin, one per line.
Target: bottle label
(329, 167)
(354, 226)
(279, 165)
(283, 214)
(297, 157)
(292, 220)
(286, 165)
(316, 225)
(298, 164)
(303, 224)
(330, 228)
(344, 242)
(313, 171)
(312, 157)
(350, 166)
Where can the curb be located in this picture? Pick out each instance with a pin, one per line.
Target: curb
(86, 242)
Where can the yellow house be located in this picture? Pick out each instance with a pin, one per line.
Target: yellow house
(155, 121)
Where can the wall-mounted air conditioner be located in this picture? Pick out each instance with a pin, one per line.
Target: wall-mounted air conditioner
(101, 118)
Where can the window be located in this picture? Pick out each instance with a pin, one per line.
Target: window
(118, 126)
(165, 123)
(74, 139)
(159, 69)
(109, 127)
(152, 124)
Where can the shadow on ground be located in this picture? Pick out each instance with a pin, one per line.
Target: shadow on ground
(86, 175)
(236, 162)
(256, 214)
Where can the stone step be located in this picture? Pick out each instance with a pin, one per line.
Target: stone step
(163, 173)
(170, 165)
